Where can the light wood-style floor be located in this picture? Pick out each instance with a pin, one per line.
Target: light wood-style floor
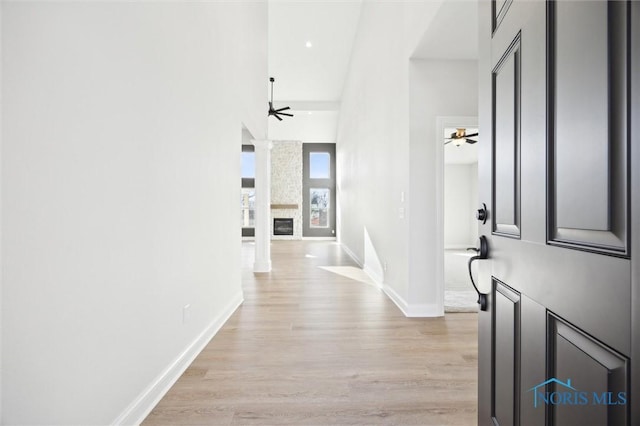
(313, 347)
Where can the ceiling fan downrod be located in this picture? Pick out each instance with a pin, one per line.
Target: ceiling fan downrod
(276, 112)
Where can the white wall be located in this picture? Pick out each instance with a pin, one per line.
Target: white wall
(460, 201)
(373, 144)
(305, 126)
(438, 88)
(386, 147)
(475, 204)
(121, 141)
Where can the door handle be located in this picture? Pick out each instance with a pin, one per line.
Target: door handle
(483, 253)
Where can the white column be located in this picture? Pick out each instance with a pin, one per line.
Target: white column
(263, 205)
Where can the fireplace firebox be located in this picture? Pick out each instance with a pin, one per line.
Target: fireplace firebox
(283, 226)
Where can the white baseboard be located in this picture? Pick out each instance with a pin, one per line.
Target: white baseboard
(413, 310)
(351, 254)
(379, 280)
(140, 408)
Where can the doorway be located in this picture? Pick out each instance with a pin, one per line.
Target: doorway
(460, 228)
(457, 199)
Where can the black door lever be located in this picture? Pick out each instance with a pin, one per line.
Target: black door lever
(483, 253)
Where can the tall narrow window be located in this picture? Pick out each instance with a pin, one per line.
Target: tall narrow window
(248, 207)
(319, 190)
(248, 164)
(248, 194)
(319, 208)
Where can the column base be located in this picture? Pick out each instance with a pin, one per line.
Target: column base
(262, 266)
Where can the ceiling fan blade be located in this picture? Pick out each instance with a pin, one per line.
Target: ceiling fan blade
(447, 142)
(282, 109)
(470, 141)
(278, 117)
(284, 113)
(471, 135)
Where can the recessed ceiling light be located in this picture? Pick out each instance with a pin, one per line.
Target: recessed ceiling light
(308, 44)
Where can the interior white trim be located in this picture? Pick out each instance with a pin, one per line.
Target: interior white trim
(140, 408)
(374, 276)
(415, 310)
(352, 255)
(441, 124)
(320, 238)
(377, 279)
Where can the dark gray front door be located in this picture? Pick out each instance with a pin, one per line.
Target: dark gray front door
(319, 190)
(557, 343)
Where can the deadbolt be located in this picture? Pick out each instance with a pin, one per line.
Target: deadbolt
(482, 214)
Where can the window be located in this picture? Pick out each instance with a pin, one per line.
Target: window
(248, 207)
(319, 208)
(248, 194)
(318, 189)
(319, 165)
(248, 164)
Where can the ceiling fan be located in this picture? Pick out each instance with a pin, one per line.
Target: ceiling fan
(460, 136)
(276, 112)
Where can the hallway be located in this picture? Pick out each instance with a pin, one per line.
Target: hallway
(313, 346)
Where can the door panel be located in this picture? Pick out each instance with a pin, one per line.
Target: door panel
(506, 337)
(602, 372)
(499, 10)
(585, 123)
(554, 152)
(588, 112)
(533, 328)
(506, 164)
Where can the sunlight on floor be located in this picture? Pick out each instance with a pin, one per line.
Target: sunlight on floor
(352, 272)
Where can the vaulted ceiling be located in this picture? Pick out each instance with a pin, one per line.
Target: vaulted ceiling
(312, 78)
(310, 45)
(453, 33)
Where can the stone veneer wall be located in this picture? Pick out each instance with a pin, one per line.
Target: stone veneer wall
(286, 185)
